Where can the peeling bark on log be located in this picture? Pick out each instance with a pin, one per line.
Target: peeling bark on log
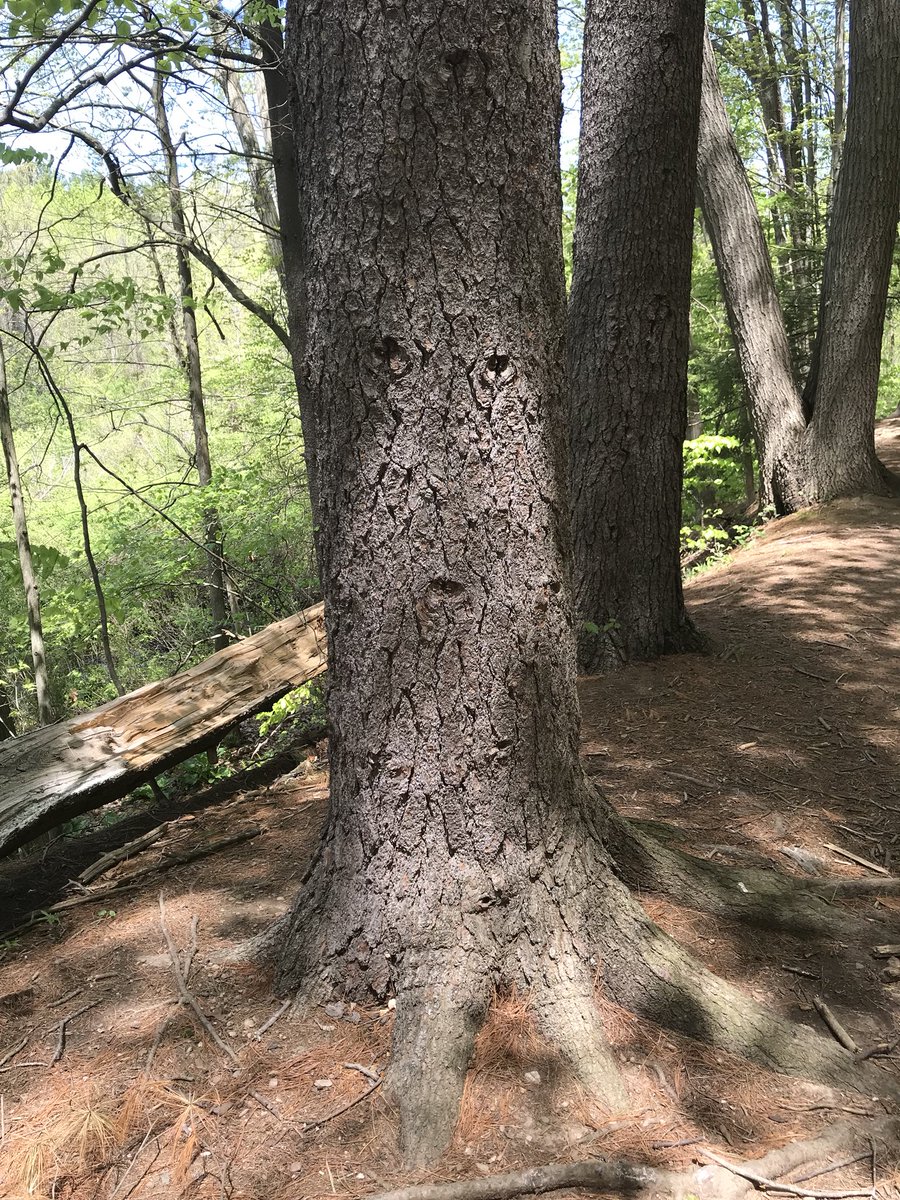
(52, 774)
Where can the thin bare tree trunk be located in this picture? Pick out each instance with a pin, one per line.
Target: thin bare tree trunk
(66, 413)
(255, 157)
(840, 93)
(215, 585)
(754, 311)
(26, 563)
(7, 723)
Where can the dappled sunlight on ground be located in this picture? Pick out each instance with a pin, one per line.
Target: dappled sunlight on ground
(784, 738)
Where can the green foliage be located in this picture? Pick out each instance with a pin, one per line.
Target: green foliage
(596, 630)
(298, 714)
(712, 467)
(77, 268)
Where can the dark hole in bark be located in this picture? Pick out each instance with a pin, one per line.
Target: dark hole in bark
(498, 370)
(392, 354)
(447, 587)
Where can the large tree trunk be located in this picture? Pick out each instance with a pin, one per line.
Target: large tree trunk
(628, 325)
(212, 534)
(26, 565)
(748, 287)
(843, 383)
(464, 848)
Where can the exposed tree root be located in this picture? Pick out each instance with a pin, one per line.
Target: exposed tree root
(764, 898)
(439, 1013)
(709, 1182)
(651, 974)
(551, 920)
(566, 1014)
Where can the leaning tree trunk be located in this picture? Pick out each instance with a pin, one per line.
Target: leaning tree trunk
(748, 287)
(628, 325)
(842, 389)
(464, 848)
(26, 565)
(212, 535)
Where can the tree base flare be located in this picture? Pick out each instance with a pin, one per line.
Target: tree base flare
(552, 924)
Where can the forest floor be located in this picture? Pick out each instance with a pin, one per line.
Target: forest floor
(785, 738)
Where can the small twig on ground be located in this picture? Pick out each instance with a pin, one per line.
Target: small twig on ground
(880, 1050)
(186, 995)
(812, 675)
(63, 1025)
(268, 1106)
(266, 1025)
(15, 1050)
(855, 1112)
(857, 858)
(839, 1166)
(110, 859)
(309, 1126)
(68, 996)
(839, 1032)
(372, 1076)
(800, 971)
(191, 950)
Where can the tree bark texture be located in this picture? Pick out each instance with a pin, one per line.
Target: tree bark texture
(212, 535)
(748, 287)
(464, 849)
(842, 389)
(629, 324)
(26, 563)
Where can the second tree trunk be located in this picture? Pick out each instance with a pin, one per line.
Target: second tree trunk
(628, 325)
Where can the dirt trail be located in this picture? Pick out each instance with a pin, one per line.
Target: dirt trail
(784, 737)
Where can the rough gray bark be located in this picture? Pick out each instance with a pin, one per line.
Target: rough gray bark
(748, 287)
(212, 536)
(464, 848)
(842, 388)
(629, 325)
(26, 563)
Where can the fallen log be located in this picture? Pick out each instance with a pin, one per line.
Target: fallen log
(52, 774)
